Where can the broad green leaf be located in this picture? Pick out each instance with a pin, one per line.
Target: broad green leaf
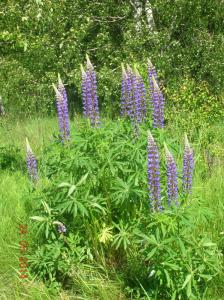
(188, 278)
(71, 190)
(39, 219)
(64, 184)
(83, 179)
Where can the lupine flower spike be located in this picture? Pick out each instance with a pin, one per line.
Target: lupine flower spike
(91, 93)
(188, 166)
(130, 94)
(157, 105)
(31, 162)
(154, 174)
(151, 72)
(62, 109)
(141, 94)
(124, 92)
(172, 186)
(62, 90)
(133, 99)
(84, 92)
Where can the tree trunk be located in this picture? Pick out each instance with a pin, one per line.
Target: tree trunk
(149, 15)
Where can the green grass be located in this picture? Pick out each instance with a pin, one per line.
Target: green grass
(14, 186)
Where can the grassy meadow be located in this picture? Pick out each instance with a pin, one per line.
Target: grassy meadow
(98, 272)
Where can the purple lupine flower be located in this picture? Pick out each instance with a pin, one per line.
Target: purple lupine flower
(172, 186)
(157, 105)
(188, 166)
(91, 94)
(142, 94)
(137, 108)
(62, 109)
(153, 174)
(156, 96)
(130, 94)
(62, 90)
(31, 163)
(62, 228)
(124, 92)
(84, 93)
(135, 96)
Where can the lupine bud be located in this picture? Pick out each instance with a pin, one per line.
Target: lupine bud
(188, 166)
(153, 174)
(172, 186)
(31, 162)
(89, 86)
(157, 105)
(62, 109)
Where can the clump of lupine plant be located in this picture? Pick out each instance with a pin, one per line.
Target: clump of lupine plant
(188, 166)
(172, 185)
(62, 109)
(154, 174)
(89, 94)
(31, 163)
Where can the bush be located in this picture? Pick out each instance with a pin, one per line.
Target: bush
(96, 186)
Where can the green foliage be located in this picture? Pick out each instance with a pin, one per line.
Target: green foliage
(178, 265)
(194, 103)
(42, 38)
(11, 158)
(110, 252)
(97, 186)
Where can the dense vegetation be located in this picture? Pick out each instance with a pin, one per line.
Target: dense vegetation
(107, 199)
(42, 38)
